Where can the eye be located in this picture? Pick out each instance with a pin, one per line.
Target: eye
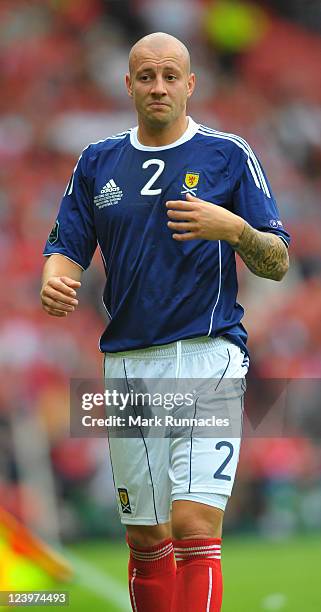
(171, 77)
(144, 77)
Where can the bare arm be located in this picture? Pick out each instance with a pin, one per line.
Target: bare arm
(264, 253)
(60, 280)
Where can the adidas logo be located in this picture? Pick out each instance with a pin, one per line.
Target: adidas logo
(110, 187)
(110, 194)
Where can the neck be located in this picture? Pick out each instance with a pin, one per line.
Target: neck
(152, 136)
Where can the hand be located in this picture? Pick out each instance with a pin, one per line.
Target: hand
(203, 221)
(58, 295)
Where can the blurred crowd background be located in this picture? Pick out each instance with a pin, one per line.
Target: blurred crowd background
(62, 66)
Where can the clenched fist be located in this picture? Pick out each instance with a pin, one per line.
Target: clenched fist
(58, 295)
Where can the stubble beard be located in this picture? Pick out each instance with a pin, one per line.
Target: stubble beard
(160, 120)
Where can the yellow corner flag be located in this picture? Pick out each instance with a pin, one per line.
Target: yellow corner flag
(27, 563)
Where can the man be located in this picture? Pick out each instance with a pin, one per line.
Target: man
(169, 203)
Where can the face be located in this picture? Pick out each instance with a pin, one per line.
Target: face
(160, 84)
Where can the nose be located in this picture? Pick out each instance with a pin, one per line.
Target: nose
(159, 88)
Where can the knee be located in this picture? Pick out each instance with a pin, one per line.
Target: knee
(145, 536)
(196, 521)
(196, 530)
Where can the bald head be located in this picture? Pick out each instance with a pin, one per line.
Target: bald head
(160, 83)
(159, 44)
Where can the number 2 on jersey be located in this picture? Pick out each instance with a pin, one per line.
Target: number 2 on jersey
(146, 190)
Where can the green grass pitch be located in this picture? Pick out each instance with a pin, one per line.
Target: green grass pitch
(259, 576)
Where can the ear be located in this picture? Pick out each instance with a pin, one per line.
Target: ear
(129, 85)
(190, 84)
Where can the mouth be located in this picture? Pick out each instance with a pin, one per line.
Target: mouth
(159, 105)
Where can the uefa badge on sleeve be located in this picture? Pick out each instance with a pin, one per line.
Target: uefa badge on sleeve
(53, 236)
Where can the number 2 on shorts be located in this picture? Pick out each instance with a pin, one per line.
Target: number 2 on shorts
(219, 472)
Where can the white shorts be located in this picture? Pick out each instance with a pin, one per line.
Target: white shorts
(152, 472)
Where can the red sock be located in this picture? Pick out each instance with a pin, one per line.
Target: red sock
(152, 574)
(199, 575)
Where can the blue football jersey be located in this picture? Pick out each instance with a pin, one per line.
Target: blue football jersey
(159, 290)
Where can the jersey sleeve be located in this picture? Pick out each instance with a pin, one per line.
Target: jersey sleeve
(252, 197)
(73, 234)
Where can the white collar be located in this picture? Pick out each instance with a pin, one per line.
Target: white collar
(190, 131)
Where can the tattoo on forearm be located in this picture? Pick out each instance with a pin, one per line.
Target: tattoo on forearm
(264, 254)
